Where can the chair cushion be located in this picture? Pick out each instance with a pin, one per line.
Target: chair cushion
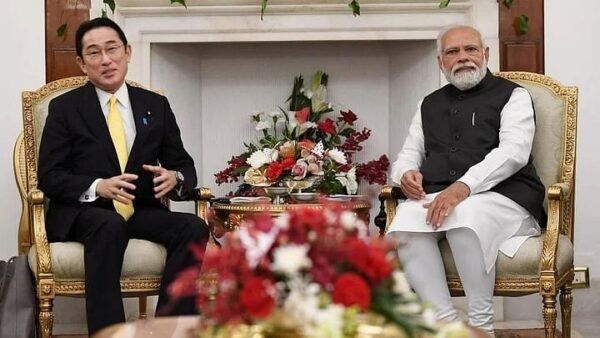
(142, 258)
(524, 264)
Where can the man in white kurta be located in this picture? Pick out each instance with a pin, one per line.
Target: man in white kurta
(464, 168)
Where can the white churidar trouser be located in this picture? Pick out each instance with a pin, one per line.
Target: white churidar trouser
(424, 268)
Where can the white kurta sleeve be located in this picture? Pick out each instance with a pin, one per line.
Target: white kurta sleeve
(517, 128)
(412, 153)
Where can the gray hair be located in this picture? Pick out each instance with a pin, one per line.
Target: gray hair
(446, 29)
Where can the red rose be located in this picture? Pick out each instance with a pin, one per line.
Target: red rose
(369, 260)
(256, 297)
(348, 117)
(327, 127)
(302, 115)
(350, 289)
(287, 163)
(274, 171)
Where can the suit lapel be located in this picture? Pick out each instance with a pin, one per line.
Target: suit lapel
(142, 117)
(91, 113)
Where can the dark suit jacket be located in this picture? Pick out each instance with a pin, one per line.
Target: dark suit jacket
(76, 149)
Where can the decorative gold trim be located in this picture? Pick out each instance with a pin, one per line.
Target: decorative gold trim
(132, 286)
(237, 212)
(390, 206)
(249, 208)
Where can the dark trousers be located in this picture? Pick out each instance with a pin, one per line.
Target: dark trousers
(105, 235)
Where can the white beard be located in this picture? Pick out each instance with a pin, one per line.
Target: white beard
(466, 80)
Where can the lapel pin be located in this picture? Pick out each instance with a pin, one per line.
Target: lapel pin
(147, 118)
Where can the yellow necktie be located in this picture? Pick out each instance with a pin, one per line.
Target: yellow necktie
(117, 133)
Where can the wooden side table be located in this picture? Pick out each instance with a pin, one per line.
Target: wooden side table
(236, 212)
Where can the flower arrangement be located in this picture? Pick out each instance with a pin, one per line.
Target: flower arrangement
(305, 146)
(313, 270)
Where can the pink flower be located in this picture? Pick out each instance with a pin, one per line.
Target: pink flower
(302, 115)
(299, 170)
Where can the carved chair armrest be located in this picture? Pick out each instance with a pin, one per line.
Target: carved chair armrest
(201, 196)
(388, 201)
(558, 194)
(35, 199)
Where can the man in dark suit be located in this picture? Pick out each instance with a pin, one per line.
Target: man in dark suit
(108, 153)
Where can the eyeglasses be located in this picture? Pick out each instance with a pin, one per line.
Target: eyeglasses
(95, 54)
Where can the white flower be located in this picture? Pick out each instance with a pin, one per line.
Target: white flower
(412, 307)
(258, 159)
(337, 155)
(263, 125)
(257, 246)
(319, 149)
(300, 128)
(454, 329)
(302, 301)
(290, 259)
(328, 323)
(348, 180)
(429, 317)
(348, 220)
(283, 221)
(307, 92)
(401, 285)
(275, 114)
(351, 174)
(272, 154)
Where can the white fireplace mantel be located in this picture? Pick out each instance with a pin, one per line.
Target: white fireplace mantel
(157, 21)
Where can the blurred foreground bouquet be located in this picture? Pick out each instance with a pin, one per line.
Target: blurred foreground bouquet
(312, 272)
(305, 147)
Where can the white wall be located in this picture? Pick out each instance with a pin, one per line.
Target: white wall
(572, 58)
(22, 59)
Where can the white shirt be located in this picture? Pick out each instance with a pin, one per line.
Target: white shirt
(517, 127)
(122, 95)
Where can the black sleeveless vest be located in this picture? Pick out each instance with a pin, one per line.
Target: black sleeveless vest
(461, 128)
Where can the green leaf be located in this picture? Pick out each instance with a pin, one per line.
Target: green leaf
(111, 4)
(346, 132)
(355, 6)
(331, 187)
(444, 3)
(508, 3)
(104, 13)
(523, 24)
(381, 303)
(263, 7)
(181, 2)
(240, 170)
(61, 31)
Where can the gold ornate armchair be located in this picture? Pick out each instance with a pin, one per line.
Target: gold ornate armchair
(58, 267)
(543, 264)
